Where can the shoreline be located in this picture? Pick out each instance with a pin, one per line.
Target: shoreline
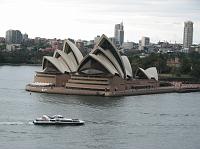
(20, 64)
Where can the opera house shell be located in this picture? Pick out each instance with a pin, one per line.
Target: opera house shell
(104, 71)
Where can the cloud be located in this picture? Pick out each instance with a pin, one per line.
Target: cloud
(159, 19)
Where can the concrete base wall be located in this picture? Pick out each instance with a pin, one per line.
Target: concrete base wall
(133, 92)
(45, 78)
(57, 79)
(102, 86)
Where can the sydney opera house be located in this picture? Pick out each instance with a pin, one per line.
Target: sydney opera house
(104, 71)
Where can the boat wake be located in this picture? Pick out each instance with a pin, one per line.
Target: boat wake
(16, 123)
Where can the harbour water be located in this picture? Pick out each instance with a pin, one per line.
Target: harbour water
(162, 121)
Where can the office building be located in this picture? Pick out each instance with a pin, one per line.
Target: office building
(188, 34)
(119, 33)
(13, 37)
(145, 41)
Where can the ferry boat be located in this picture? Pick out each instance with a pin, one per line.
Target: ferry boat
(56, 120)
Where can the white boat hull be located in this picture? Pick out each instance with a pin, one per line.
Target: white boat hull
(58, 123)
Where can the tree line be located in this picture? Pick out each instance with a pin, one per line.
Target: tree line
(23, 56)
(189, 63)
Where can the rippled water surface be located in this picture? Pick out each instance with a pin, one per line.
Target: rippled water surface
(165, 121)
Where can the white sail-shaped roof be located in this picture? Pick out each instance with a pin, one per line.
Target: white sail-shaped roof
(59, 64)
(127, 65)
(105, 62)
(151, 73)
(109, 57)
(109, 47)
(104, 59)
(70, 47)
(67, 60)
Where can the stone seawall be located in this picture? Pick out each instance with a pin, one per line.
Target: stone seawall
(132, 92)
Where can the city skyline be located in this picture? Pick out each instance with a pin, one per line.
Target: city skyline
(85, 19)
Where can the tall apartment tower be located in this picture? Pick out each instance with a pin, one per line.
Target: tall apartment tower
(13, 37)
(145, 41)
(119, 33)
(188, 34)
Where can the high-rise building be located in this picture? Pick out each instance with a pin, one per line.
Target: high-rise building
(119, 33)
(188, 34)
(145, 41)
(13, 37)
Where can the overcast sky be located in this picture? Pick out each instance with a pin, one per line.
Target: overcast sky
(84, 19)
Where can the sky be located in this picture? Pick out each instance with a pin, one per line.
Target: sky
(161, 20)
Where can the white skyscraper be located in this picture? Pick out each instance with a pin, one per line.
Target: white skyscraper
(188, 34)
(119, 33)
(145, 41)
